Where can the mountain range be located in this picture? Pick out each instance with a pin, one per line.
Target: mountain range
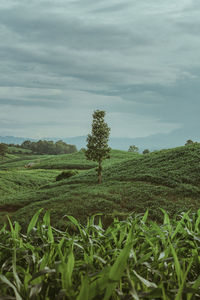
(152, 142)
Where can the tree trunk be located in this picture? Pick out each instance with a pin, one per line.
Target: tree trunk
(99, 173)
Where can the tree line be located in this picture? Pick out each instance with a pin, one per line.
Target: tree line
(49, 147)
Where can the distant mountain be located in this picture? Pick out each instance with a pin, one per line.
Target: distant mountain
(13, 139)
(152, 142)
(79, 141)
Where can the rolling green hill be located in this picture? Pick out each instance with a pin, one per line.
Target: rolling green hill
(169, 179)
(18, 150)
(75, 160)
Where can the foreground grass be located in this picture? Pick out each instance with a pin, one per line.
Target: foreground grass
(131, 259)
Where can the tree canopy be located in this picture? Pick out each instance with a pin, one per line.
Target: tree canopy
(133, 148)
(97, 142)
(49, 147)
(3, 150)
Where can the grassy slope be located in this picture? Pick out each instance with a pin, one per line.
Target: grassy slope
(78, 161)
(18, 181)
(167, 178)
(15, 178)
(14, 150)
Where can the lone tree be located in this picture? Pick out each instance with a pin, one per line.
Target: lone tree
(97, 142)
(3, 150)
(133, 148)
(189, 142)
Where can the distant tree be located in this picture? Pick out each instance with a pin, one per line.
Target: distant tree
(26, 144)
(82, 150)
(3, 150)
(133, 148)
(189, 142)
(97, 142)
(49, 147)
(146, 151)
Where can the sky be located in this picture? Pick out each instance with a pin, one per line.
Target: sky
(139, 60)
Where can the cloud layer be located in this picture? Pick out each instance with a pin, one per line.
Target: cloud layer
(60, 60)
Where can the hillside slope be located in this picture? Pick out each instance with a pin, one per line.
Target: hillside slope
(169, 179)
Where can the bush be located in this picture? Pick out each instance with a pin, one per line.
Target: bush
(146, 151)
(66, 174)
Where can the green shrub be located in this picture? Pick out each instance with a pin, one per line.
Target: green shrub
(66, 174)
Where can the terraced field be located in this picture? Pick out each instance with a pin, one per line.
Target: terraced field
(169, 179)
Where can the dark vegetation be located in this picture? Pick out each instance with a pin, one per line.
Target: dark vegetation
(66, 174)
(3, 150)
(48, 147)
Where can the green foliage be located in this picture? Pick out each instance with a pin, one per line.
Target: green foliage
(130, 259)
(18, 150)
(65, 161)
(75, 160)
(146, 151)
(133, 148)
(97, 142)
(66, 174)
(3, 150)
(49, 147)
(17, 182)
(189, 142)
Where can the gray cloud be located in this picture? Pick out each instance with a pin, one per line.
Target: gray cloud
(138, 60)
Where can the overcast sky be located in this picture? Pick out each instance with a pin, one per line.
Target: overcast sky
(139, 60)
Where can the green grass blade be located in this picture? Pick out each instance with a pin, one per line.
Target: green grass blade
(146, 282)
(195, 286)
(46, 220)
(179, 272)
(179, 226)
(84, 291)
(196, 228)
(69, 269)
(14, 266)
(6, 281)
(144, 218)
(33, 221)
(119, 266)
(180, 291)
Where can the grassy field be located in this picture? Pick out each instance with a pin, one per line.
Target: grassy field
(131, 183)
(130, 256)
(64, 161)
(131, 259)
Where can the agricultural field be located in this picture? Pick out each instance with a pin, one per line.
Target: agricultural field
(131, 183)
(132, 259)
(18, 150)
(119, 254)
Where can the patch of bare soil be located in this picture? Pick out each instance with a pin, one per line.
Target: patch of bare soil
(9, 208)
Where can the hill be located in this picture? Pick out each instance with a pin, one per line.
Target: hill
(169, 179)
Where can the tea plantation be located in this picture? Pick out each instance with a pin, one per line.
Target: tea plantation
(168, 179)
